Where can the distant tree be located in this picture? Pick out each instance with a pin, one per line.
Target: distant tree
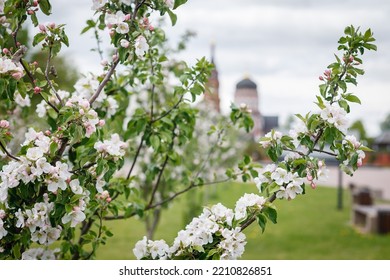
(385, 125)
(359, 128)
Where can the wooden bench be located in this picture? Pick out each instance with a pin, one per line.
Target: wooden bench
(371, 218)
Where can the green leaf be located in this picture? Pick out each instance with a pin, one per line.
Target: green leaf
(179, 3)
(173, 17)
(16, 250)
(155, 142)
(262, 221)
(365, 149)
(38, 38)
(270, 213)
(45, 7)
(352, 98)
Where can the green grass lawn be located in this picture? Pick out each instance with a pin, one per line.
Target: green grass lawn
(309, 227)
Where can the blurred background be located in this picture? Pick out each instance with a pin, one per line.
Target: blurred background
(269, 55)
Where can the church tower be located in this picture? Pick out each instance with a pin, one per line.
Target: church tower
(246, 93)
(211, 94)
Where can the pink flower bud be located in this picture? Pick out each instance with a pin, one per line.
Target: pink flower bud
(8, 133)
(52, 25)
(37, 90)
(359, 162)
(351, 58)
(17, 75)
(6, 51)
(81, 111)
(112, 33)
(127, 17)
(309, 177)
(2, 214)
(104, 62)
(108, 199)
(30, 12)
(4, 124)
(321, 78)
(35, 63)
(101, 122)
(313, 185)
(42, 27)
(47, 133)
(151, 28)
(59, 128)
(35, 3)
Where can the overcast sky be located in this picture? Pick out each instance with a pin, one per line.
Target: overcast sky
(283, 45)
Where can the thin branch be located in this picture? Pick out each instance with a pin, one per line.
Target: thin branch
(253, 218)
(158, 180)
(61, 150)
(105, 81)
(48, 79)
(28, 72)
(136, 157)
(169, 111)
(8, 153)
(325, 152)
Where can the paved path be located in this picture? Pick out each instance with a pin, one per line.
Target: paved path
(375, 178)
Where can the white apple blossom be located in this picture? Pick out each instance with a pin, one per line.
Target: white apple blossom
(115, 19)
(286, 193)
(124, 43)
(141, 46)
(281, 176)
(98, 4)
(335, 115)
(3, 231)
(7, 66)
(141, 248)
(39, 254)
(113, 147)
(122, 28)
(75, 217)
(158, 249)
(75, 186)
(22, 102)
(34, 153)
(272, 136)
(233, 245)
(248, 200)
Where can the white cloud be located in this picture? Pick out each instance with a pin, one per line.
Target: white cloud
(284, 45)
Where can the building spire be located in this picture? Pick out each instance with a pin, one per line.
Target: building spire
(212, 52)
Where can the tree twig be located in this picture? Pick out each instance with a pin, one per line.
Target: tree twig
(7, 152)
(48, 79)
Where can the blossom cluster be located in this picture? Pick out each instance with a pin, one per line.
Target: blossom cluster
(39, 254)
(335, 115)
(34, 166)
(85, 88)
(113, 147)
(272, 137)
(88, 116)
(9, 67)
(289, 184)
(354, 153)
(37, 220)
(215, 224)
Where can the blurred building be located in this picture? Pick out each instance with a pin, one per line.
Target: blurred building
(211, 94)
(246, 93)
